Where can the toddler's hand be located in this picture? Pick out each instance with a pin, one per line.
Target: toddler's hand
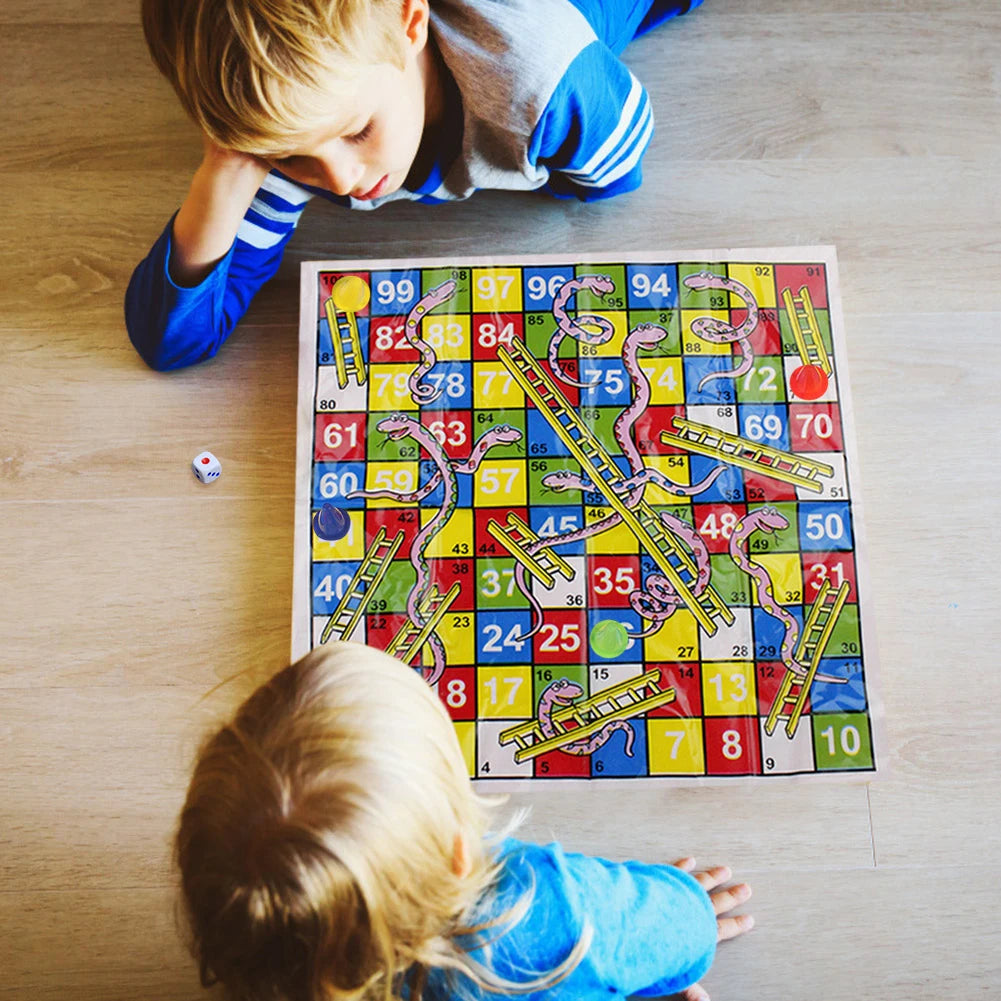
(723, 900)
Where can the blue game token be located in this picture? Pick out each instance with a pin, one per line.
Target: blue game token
(331, 523)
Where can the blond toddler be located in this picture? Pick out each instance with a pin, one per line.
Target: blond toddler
(331, 847)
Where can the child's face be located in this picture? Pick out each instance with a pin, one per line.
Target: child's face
(366, 152)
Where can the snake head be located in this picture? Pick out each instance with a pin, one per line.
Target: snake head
(701, 280)
(557, 481)
(769, 519)
(565, 691)
(598, 284)
(646, 335)
(396, 426)
(504, 434)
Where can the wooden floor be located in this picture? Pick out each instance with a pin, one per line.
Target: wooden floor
(128, 591)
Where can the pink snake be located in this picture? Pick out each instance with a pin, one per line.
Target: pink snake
(598, 285)
(398, 426)
(562, 693)
(424, 394)
(769, 519)
(719, 332)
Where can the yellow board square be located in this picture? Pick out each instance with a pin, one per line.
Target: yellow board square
(351, 547)
(497, 290)
(399, 477)
(495, 388)
(612, 348)
(457, 633)
(465, 731)
(693, 345)
(455, 538)
(673, 470)
(786, 573)
(667, 383)
(504, 692)
(759, 278)
(617, 539)
(500, 483)
(675, 746)
(449, 335)
(388, 388)
(728, 688)
(677, 639)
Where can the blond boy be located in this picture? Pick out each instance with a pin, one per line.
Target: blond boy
(368, 101)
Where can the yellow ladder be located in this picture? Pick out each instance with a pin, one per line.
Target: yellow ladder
(346, 343)
(516, 536)
(774, 462)
(806, 330)
(411, 637)
(676, 564)
(795, 689)
(367, 578)
(628, 698)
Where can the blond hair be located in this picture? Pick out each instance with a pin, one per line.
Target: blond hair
(318, 842)
(255, 74)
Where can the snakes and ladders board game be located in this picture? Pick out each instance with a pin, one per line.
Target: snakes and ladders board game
(608, 508)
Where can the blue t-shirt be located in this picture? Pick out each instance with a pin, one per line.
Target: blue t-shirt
(654, 929)
(539, 99)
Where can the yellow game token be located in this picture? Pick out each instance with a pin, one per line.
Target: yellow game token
(350, 293)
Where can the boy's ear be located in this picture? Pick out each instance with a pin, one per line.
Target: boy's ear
(416, 16)
(462, 864)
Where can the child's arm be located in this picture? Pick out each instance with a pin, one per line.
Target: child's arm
(595, 128)
(654, 927)
(225, 242)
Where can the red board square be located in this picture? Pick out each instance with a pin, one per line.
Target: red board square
(686, 680)
(562, 638)
(493, 329)
(650, 424)
(329, 278)
(767, 336)
(394, 520)
(387, 342)
(835, 567)
(769, 676)
(339, 436)
(766, 488)
(815, 427)
(733, 746)
(380, 628)
(457, 690)
(795, 276)
(559, 764)
(449, 571)
(715, 524)
(453, 430)
(611, 579)
(484, 543)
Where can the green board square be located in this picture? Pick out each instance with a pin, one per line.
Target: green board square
(461, 299)
(670, 320)
(764, 383)
(842, 740)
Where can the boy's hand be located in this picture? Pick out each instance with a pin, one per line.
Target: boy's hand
(723, 901)
(205, 226)
(232, 162)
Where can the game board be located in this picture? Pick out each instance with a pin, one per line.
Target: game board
(608, 508)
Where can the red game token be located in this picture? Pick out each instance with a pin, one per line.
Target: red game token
(808, 382)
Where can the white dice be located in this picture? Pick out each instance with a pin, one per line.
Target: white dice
(206, 467)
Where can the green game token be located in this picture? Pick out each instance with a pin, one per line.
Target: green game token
(609, 638)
